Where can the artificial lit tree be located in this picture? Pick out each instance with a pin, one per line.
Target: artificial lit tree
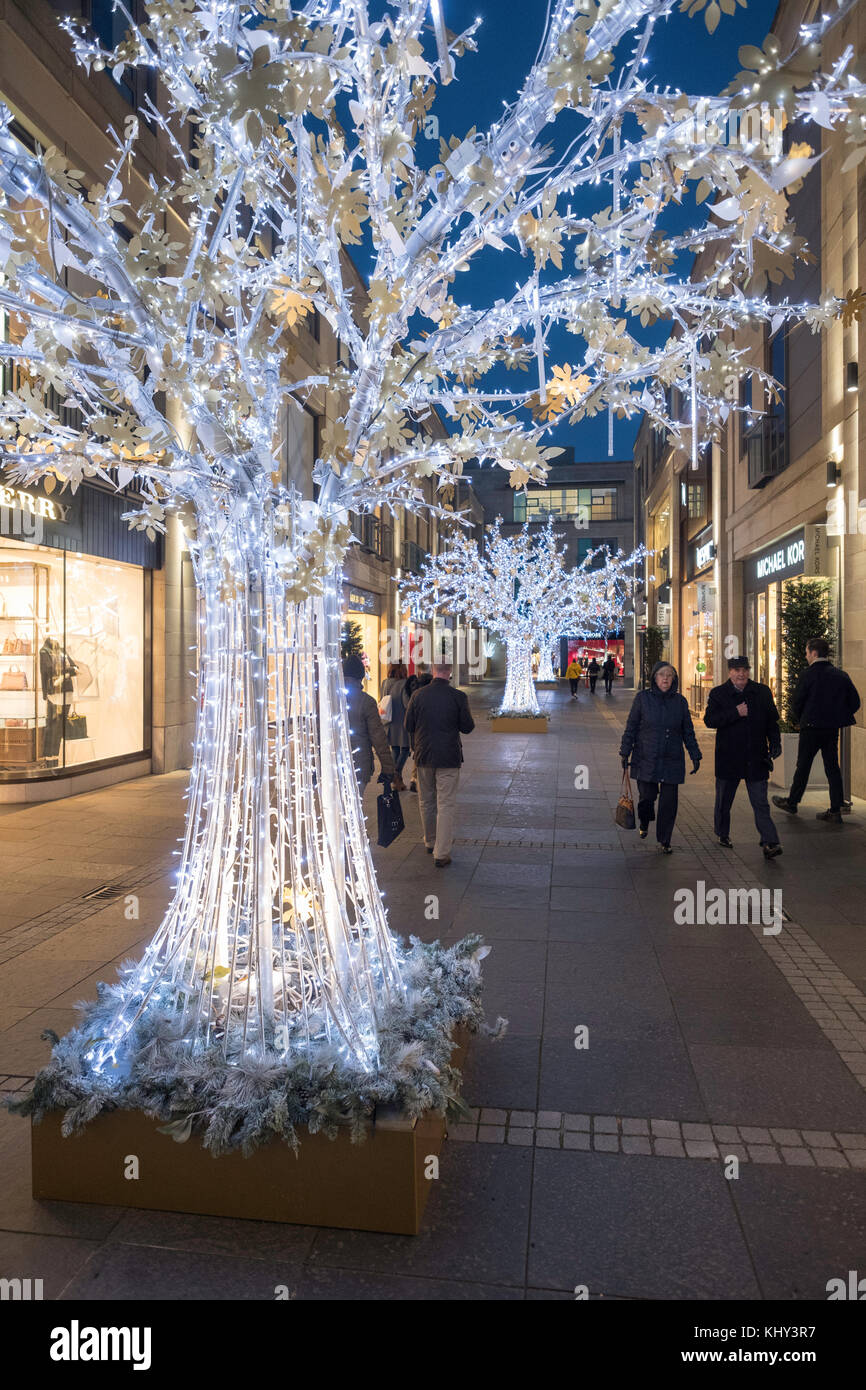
(521, 586)
(292, 134)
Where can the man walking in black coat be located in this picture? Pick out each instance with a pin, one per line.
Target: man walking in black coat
(436, 716)
(746, 721)
(825, 701)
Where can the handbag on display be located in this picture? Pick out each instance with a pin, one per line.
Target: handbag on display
(76, 726)
(624, 813)
(13, 679)
(390, 813)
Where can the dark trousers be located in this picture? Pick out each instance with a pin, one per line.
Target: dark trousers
(400, 756)
(812, 741)
(668, 794)
(726, 790)
(608, 682)
(592, 681)
(574, 684)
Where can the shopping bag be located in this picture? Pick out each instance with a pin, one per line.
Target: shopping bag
(390, 813)
(624, 813)
(386, 709)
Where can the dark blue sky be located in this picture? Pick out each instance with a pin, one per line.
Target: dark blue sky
(682, 55)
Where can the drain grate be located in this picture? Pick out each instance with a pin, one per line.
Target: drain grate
(104, 894)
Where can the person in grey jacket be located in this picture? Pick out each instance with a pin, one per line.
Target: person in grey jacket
(658, 732)
(367, 729)
(394, 685)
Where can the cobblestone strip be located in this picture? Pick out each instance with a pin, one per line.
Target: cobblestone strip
(553, 1129)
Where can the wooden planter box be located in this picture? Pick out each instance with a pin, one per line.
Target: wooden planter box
(519, 724)
(378, 1185)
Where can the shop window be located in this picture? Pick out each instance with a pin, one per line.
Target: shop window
(73, 676)
(300, 448)
(595, 502)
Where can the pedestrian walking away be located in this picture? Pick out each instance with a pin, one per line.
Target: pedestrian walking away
(366, 727)
(393, 710)
(825, 700)
(657, 735)
(608, 671)
(422, 675)
(436, 717)
(573, 673)
(593, 668)
(744, 715)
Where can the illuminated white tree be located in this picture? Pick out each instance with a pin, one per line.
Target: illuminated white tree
(521, 587)
(293, 134)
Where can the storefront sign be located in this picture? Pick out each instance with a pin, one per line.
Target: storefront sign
(701, 553)
(782, 560)
(362, 601)
(704, 555)
(32, 504)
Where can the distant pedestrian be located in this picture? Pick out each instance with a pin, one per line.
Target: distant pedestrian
(436, 717)
(608, 671)
(825, 701)
(422, 675)
(367, 729)
(658, 729)
(573, 673)
(593, 668)
(744, 715)
(393, 717)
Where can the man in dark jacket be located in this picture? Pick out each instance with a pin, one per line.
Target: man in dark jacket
(367, 730)
(436, 717)
(825, 701)
(746, 721)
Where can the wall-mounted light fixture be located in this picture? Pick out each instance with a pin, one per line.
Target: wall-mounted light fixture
(834, 472)
(850, 376)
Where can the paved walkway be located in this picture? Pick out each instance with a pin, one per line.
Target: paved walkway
(677, 1111)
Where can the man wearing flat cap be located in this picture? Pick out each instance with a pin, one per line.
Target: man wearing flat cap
(744, 715)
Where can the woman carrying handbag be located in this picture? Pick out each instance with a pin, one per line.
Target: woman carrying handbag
(392, 712)
(657, 736)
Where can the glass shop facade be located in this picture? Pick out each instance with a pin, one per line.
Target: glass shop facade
(76, 595)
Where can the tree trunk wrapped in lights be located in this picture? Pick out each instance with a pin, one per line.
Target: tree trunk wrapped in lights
(520, 585)
(545, 658)
(273, 994)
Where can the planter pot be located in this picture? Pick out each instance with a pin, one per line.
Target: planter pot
(381, 1184)
(518, 724)
(783, 771)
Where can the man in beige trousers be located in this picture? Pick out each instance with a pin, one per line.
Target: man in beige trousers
(436, 716)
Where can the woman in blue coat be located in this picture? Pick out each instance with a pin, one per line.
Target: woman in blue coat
(657, 735)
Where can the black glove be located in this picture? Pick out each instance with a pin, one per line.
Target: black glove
(696, 767)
